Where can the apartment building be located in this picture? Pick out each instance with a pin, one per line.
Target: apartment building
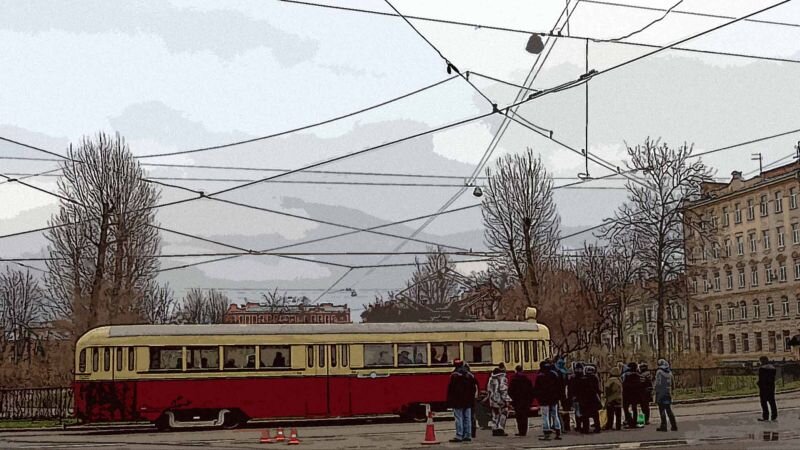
(742, 244)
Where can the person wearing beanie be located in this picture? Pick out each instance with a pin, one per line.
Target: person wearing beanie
(521, 391)
(461, 393)
(646, 390)
(631, 394)
(663, 388)
(614, 400)
(548, 393)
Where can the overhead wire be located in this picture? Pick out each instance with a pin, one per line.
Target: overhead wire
(664, 16)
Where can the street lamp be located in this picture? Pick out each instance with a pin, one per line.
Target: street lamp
(535, 44)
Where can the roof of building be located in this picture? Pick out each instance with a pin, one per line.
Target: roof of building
(716, 191)
(251, 307)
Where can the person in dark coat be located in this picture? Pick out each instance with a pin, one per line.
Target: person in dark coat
(460, 396)
(548, 392)
(563, 375)
(631, 394)
(663, 388)
(766, 390)
(520, 388)
(572, 393)
(589, 399)
(647, 391)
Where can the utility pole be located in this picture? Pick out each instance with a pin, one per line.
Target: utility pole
(760, 159)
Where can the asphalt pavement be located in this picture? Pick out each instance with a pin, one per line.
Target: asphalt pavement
(724, 424)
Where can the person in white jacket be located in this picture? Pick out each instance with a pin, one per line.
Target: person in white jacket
(498, 400)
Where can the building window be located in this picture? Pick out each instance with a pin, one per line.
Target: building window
(715, 248)
(751, 210)
(705, 285)
(798, 305)
(697, 344)
(782, 272)
(731, 313)
(732, 341)
(771, 342)
(703, 253)
(797, 269)
(785, 306)
(720, 347)
(795, 233)
(714, 222)
(768, 275)
(729, 278)
(778, 202)
(792, 198)
(694, 285)
(759, 344)
(765, 238)
(753, 244)
(737, 214)
(719, 314)
(743, 310)
(770, 309)
(756, 310)
(754, 276)
(740, 245)
(781, 238)
(786, 338)
(764, 209)
(697, 318)
(707, 314)
(728, 247)
(741, 279)
(716, 282)
(725, 221)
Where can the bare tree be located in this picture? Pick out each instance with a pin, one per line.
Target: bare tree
(102, 241)
(203, 307)
(158, 305)
(653, 215)
(21, 301)
(520, 219)
(624, 273)
(277, 303)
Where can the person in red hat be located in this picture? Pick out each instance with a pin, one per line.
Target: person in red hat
(461, 393)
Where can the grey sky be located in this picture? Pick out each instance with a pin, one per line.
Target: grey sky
(177, 75)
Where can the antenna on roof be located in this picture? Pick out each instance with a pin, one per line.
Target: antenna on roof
(760, 159)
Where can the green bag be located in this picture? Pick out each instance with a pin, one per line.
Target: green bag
(640, 419)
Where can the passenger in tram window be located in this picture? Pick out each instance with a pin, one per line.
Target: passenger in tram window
(251, 362)
(419, 359)
(179, 364)
(434, 356)
(230, 364)
(279, 360)
(204, 363)
(403, 359)
(383, 359)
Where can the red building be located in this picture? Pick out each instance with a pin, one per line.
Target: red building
(251, 313)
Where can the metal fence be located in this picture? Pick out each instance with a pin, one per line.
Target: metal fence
(689, 383)
(36, 403)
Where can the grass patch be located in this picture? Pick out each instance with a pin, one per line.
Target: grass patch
(29, 423)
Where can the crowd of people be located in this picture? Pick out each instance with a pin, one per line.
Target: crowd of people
(561, 393)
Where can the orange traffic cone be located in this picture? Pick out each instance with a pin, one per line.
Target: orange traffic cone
(279, 437)
(293, 438)
(430, 433)
(265, 439)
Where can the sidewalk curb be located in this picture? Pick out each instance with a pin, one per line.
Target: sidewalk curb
(691, 401)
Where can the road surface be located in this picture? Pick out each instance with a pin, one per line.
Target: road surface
(718, 425)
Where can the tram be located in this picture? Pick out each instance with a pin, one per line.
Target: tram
(224, 375)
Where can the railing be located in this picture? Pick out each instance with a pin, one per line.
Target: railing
(36, 403)
(691, 383)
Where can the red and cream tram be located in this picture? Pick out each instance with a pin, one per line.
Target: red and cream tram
(224, 375)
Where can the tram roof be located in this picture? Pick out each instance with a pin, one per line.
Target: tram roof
(304, 329)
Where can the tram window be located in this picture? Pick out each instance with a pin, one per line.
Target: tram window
(106, 359)
(345, 355)
(131, 359)
(202, 358)
(507, 351)
(378, 355)
(333, 355)
(82, 361)
(95, 359)
(119, 359)
(239, 356)
(478, 352)
(526, 351)
(276, 356)
(412, 354)
(322, 356)
(535, 350)
(166, 358)
(310, 353)
(444, 353)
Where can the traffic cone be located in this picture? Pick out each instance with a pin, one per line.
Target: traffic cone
(293, 438)
(265, 439)
(279, 436)
(430, 433)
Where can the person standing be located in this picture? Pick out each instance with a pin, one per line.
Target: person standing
(563, 376)
(549, 392)
(589, 399)
(498, 400)
(766, 390)
(647, 391)
(614, 400)
(663, 388)
(460, 396)
(631, 394)
(572, 393)
(521, 391)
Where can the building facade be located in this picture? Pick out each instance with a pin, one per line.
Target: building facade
(259, 313)
(742, 249)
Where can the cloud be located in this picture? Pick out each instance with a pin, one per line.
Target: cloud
(225, 33)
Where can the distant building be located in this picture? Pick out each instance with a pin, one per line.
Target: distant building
(744, 286)
(254, 313)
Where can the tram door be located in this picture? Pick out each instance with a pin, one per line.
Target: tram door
(316, 391)
(339, 380)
